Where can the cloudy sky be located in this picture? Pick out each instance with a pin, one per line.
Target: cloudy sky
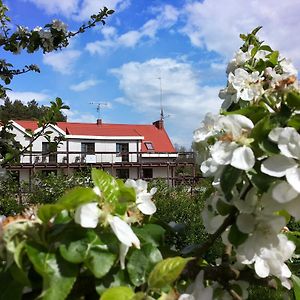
(186, 44)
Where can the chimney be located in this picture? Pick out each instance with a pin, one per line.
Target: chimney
(99, 122)
(159, 124)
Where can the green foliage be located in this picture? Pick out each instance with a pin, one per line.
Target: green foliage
(17, 110)
(187, 215)
(166, 272)
(54, 255)
(118, 293)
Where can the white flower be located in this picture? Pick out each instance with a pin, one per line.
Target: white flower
(197, 291)
(143, 198)
(59, 25)
(37, 28)
(229, 95)
(287, 163)
(270, 261)
(248, 85)
(207, 129)
(276, 77)
(265, 246)
(238, 60)
(87, 215)
(123, 231)
(232, 147)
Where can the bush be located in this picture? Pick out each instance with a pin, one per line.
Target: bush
(182, 207)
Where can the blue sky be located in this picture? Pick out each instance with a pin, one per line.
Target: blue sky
(185, 43)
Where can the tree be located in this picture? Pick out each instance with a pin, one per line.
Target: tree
(52, 37)
(17, 110)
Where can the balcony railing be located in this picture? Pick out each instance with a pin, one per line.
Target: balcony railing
(78, 157)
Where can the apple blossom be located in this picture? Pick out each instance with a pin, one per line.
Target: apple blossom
(143, 198)
(207, 129)
(248, 85)
(87, 215)
(287, 162)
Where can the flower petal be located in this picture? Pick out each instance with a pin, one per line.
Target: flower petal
(87, 215)
(221, 152)
(243, 158)
(277, 165)
(275, 133)
(289, 142)
(245, 223)
(293, 178)
(145, 205)
(123, 232)
(122, 254)
(261, 268)
(283, 192)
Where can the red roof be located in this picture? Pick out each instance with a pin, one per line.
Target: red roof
(158, 137)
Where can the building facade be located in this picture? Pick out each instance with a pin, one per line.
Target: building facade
(124, 150)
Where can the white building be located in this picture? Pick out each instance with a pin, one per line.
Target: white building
(125, 151)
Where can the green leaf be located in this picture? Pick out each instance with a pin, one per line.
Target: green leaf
(254, 113)
(255, 30)
(236, 237)
(223, 208)
(70, 200)
(260, 180)
(75, 251)
(99, 262)
(166, 272)
(137, 267)
(294, 122)
(266, 48)
(118, 293)
(107, 184)
(273, 58)
(229, 177)
(141, 262)
(293, 99)
(58, 275)
(296, 286)
(10, 288)
(268, 147)
(260, 133)
(150, 233)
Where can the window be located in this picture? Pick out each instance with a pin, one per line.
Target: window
(149, 145)
(147, 173)
(122, 173)
(47, 149)
(122, 149)
(88, 148)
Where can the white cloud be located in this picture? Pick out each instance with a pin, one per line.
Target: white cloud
(84, 85)
(79, 10)
(216, 25)
(64, 7)
(89, 7)
(183, 95)
(28, 96)
(63, 61)
(79, 116)
(167, 16)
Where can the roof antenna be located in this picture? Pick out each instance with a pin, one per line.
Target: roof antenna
(161, 106)
(99, 105)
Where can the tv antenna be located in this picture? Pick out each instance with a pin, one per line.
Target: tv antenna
(161, 106)
(99, 106)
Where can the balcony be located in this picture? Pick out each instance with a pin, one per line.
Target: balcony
(79, 158)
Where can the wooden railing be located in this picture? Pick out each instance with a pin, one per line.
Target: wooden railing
(79, 157)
